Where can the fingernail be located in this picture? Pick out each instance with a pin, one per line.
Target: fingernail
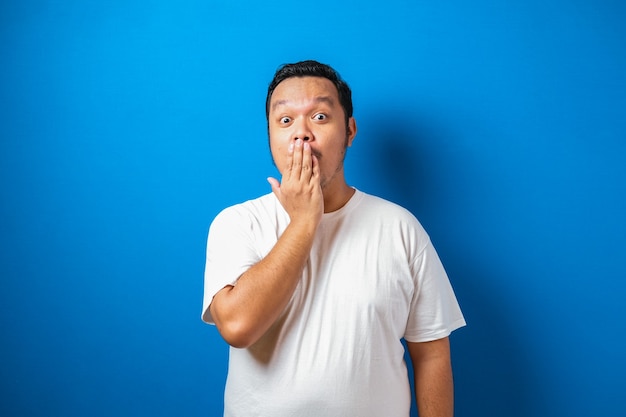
(290, 149)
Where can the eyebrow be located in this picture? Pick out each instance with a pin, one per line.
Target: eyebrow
(321, 99)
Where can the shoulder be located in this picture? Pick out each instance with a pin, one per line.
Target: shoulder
(260, 210)
(393, 221)
(386, 210)
(374, 200)
(250, 208)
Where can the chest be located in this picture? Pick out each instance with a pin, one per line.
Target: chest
(362, 279)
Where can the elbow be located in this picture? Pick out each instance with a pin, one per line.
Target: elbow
(237, 333)
(239, 327)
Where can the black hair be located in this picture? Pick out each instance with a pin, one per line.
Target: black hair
(312, 68)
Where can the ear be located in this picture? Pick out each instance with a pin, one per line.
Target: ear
(351, 130)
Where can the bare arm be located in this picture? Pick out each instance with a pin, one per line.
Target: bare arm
(244, 312)
(432, 367)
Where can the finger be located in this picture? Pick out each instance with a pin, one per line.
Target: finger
(315, 165)
(296, 165)
(288, 170)
(307, 162)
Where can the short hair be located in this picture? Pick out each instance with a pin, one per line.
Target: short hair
(311, 68)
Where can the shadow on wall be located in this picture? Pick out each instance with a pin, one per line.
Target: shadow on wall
(493, 376)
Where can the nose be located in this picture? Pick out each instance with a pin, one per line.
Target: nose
(302, 131)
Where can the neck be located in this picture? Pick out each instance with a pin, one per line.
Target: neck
(337, 196)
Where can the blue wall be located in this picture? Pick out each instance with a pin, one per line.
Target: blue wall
(126, 126)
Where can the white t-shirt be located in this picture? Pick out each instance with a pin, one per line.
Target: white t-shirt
(372, 278)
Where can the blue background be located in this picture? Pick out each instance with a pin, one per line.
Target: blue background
(127, 126)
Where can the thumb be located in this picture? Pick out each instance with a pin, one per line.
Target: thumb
(275, 185)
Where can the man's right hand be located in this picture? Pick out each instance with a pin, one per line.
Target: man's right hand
(245, 311)
(300, 192)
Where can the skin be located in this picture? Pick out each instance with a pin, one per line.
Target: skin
(432, 368)
(308, 140)
(308, 108)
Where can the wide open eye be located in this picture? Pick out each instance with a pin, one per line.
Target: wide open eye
(285, 120)
(320, 117)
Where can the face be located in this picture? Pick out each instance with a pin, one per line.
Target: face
(308, 108)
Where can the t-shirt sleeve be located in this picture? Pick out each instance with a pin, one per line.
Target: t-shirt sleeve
(435, 312)
(230, 252)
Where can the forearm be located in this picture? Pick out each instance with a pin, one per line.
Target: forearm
(244, 312)
(434, 387)
(434, 391)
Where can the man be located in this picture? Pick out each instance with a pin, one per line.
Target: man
(315, 284)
